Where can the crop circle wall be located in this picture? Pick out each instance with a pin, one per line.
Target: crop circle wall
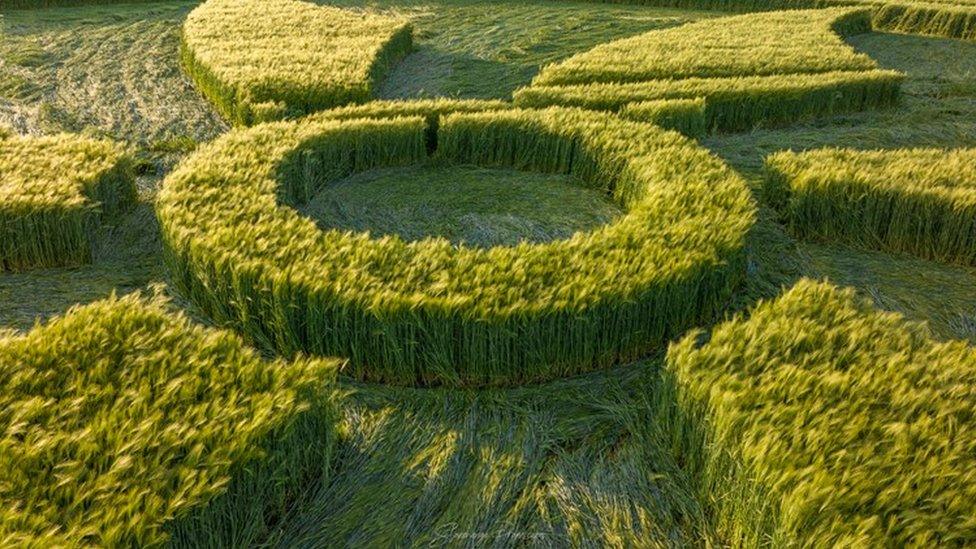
(432, 313)
(54, 191)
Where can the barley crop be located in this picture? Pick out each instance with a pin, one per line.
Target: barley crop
(687, 116)
(762, 44)
(819, 421)
(919, 201)
(732, 104)
(429, 312)
(124, 425)
(260, 60)
(757, 69)
(946, 18)
(53, 191)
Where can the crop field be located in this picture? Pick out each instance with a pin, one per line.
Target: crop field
(469, 273)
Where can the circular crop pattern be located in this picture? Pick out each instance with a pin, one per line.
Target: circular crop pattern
(496, 206)
(429, 312)
(829, 423)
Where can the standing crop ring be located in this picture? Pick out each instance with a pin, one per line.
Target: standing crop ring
(430, 312)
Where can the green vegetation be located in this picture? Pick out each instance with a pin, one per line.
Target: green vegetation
(920, 201)
(583, 461)
(126, 257)
(827, 423)
(761, 44)
(431, 109)
(114, 70)
(935, 111)
(467, 205)
(940, 294)
(108, 71)
(954, 19)
(430, 312)
(261, 60)
(950, 19)
(157, 429)
(577, 462)
(53, 192)
(487, 49)
(767, 68)
(36, 4)
(733, 104)
(687, 116)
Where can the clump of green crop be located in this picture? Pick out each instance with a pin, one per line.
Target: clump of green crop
(121, 424)
(687, 116)
(920, 201)
(260, 60)
(827, 423)
(732, 104)
(429, 312)
(430, 109)
(949, 19)
(767, 68)
(762, 44)
(498, 207)
(53, 191)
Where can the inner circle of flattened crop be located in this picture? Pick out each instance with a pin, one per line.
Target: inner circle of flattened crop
(432, 313)
(467, 205)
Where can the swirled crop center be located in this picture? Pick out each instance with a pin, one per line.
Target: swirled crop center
(465, 204)
(429, 312)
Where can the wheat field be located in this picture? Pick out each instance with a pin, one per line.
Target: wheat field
(467, 273)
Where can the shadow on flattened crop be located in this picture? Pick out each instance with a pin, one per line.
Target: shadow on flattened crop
(943, 295)
(573, 462)
(429, 72)
(465, 204)
(938, 107)
(126, 258)
(477, 49)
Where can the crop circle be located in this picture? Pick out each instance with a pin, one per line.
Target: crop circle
(423, 243)
(429, 312)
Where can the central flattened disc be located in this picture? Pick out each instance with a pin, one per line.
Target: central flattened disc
(467, 205)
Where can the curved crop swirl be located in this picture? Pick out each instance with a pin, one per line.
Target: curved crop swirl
(748, 70)
(428, 312)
